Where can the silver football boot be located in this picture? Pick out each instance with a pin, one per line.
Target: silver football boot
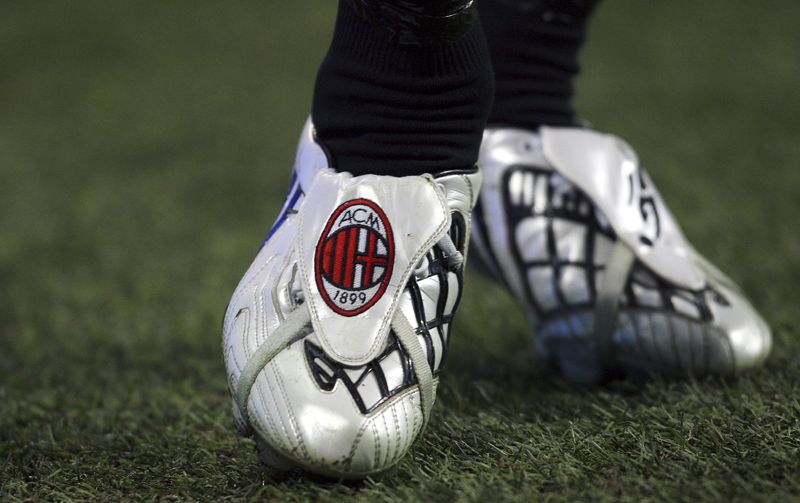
(574, 226)
(336, 334)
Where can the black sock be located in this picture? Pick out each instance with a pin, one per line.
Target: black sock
(534, 46)
(386, 106)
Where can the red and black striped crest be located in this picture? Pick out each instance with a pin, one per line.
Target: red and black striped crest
(354, 257)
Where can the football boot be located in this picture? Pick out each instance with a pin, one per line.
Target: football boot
(574, 226)
(336, 334)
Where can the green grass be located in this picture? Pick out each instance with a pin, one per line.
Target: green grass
(145, 149)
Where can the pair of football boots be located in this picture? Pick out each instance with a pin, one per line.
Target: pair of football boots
(336, 335)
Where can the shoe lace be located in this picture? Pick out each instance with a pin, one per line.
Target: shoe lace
(455, 259)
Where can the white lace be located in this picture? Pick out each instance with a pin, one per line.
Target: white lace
(609, 291)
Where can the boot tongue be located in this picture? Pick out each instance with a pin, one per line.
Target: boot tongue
(608, 170)
(360, 239)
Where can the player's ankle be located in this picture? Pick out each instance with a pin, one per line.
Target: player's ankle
(385, 106)
(534, 45)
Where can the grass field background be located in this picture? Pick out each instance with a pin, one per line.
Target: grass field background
(144, 151)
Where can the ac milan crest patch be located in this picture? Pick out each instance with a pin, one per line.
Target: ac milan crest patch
(354, 257)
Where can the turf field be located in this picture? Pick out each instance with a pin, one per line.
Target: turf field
(145, 149)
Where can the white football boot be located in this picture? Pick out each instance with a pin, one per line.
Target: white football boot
(336, 334)
(574, 226)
